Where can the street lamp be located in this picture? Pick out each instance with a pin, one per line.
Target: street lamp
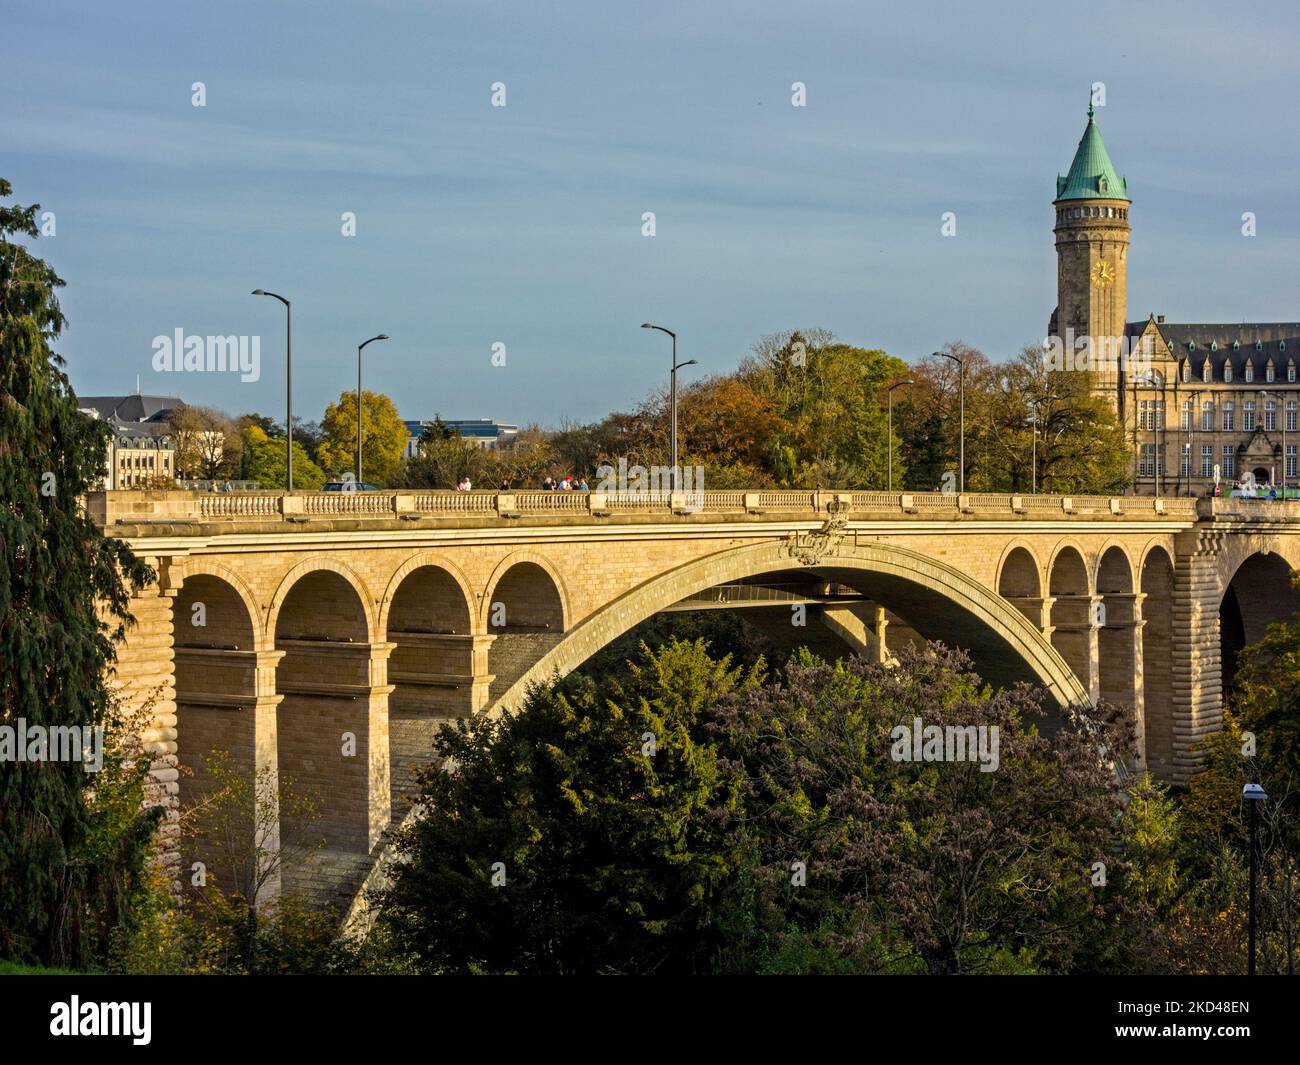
(672, 399)
(1254, 794)
(890, 390)
(1282, 412)
(381, 336)
(1033, 462)
(961, 476)
(288, 389)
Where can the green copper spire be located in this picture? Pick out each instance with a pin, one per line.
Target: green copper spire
(1092, 175)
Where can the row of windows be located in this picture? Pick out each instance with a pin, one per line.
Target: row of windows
(1150, 457)
(1151, 415)
(1248, 373)
(1064, 214)
(143, 462)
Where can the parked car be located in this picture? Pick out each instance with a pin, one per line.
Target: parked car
(349, 486)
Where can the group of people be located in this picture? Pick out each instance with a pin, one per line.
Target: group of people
(566, 484)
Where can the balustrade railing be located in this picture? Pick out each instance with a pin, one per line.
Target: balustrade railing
(128, 507)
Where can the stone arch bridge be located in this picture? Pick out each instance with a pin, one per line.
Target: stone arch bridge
(324, 637)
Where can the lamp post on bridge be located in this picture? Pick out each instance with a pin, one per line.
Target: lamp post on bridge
(961, 367)
(381, 336)
(288, 388)
(896, 384)
(672, 401)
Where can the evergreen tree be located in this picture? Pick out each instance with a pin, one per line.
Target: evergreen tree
(63, 603)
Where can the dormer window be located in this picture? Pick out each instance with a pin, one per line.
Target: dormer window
(1227, 373)
(1268, 372)
(1186, 372)
(1206, 372)
(1290, 371)
(1250, 372)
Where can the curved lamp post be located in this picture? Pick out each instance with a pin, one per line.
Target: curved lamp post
(672, 400)
(288, 390)
(961, 366)
(381, 336)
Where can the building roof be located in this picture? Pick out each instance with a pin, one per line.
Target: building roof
(1238, 344)
(133, 408)
(1092, 175)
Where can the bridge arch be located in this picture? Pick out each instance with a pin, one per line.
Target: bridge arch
(1257, 592)
(215, 637)
(204, 567)
(321, 565)
(997, 634)
(438, 665)
(524, 576)
(1019, 572)
(1072, 618)
(525, 611)
(1156, 725)
(433, 561)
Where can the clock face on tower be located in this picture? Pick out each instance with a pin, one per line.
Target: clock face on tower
(1103, 274)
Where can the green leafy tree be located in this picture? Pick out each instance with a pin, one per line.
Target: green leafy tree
(265, 462)
(68, 870)
(383, 437)
(608, 855)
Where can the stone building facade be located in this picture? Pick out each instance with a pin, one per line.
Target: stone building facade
(1198, 401)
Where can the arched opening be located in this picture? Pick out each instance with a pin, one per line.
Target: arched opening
(217, 719)
(1116, 620)
(333, 742)
(1073, 632)
(1157, 720)
(432, 668)
(525, 617)
(1259, 595)
(1019, 584)
(937, 601)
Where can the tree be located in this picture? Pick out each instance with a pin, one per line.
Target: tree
(829, 398)
(589, 832)
(67, 877)
(265, 462)
(442, 458)
(208, 444)
(383, 437)
(934, 861)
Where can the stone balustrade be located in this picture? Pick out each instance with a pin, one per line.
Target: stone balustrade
(178, 507)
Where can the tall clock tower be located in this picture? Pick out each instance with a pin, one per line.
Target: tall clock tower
(1092, 230)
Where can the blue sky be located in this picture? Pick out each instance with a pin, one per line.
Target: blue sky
(522, 225)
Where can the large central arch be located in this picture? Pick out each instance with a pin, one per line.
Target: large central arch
(1004, 643)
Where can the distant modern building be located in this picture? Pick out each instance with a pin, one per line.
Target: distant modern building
(485, 432)
(142, 450)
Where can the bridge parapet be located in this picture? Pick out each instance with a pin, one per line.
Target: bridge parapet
(176, 507)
